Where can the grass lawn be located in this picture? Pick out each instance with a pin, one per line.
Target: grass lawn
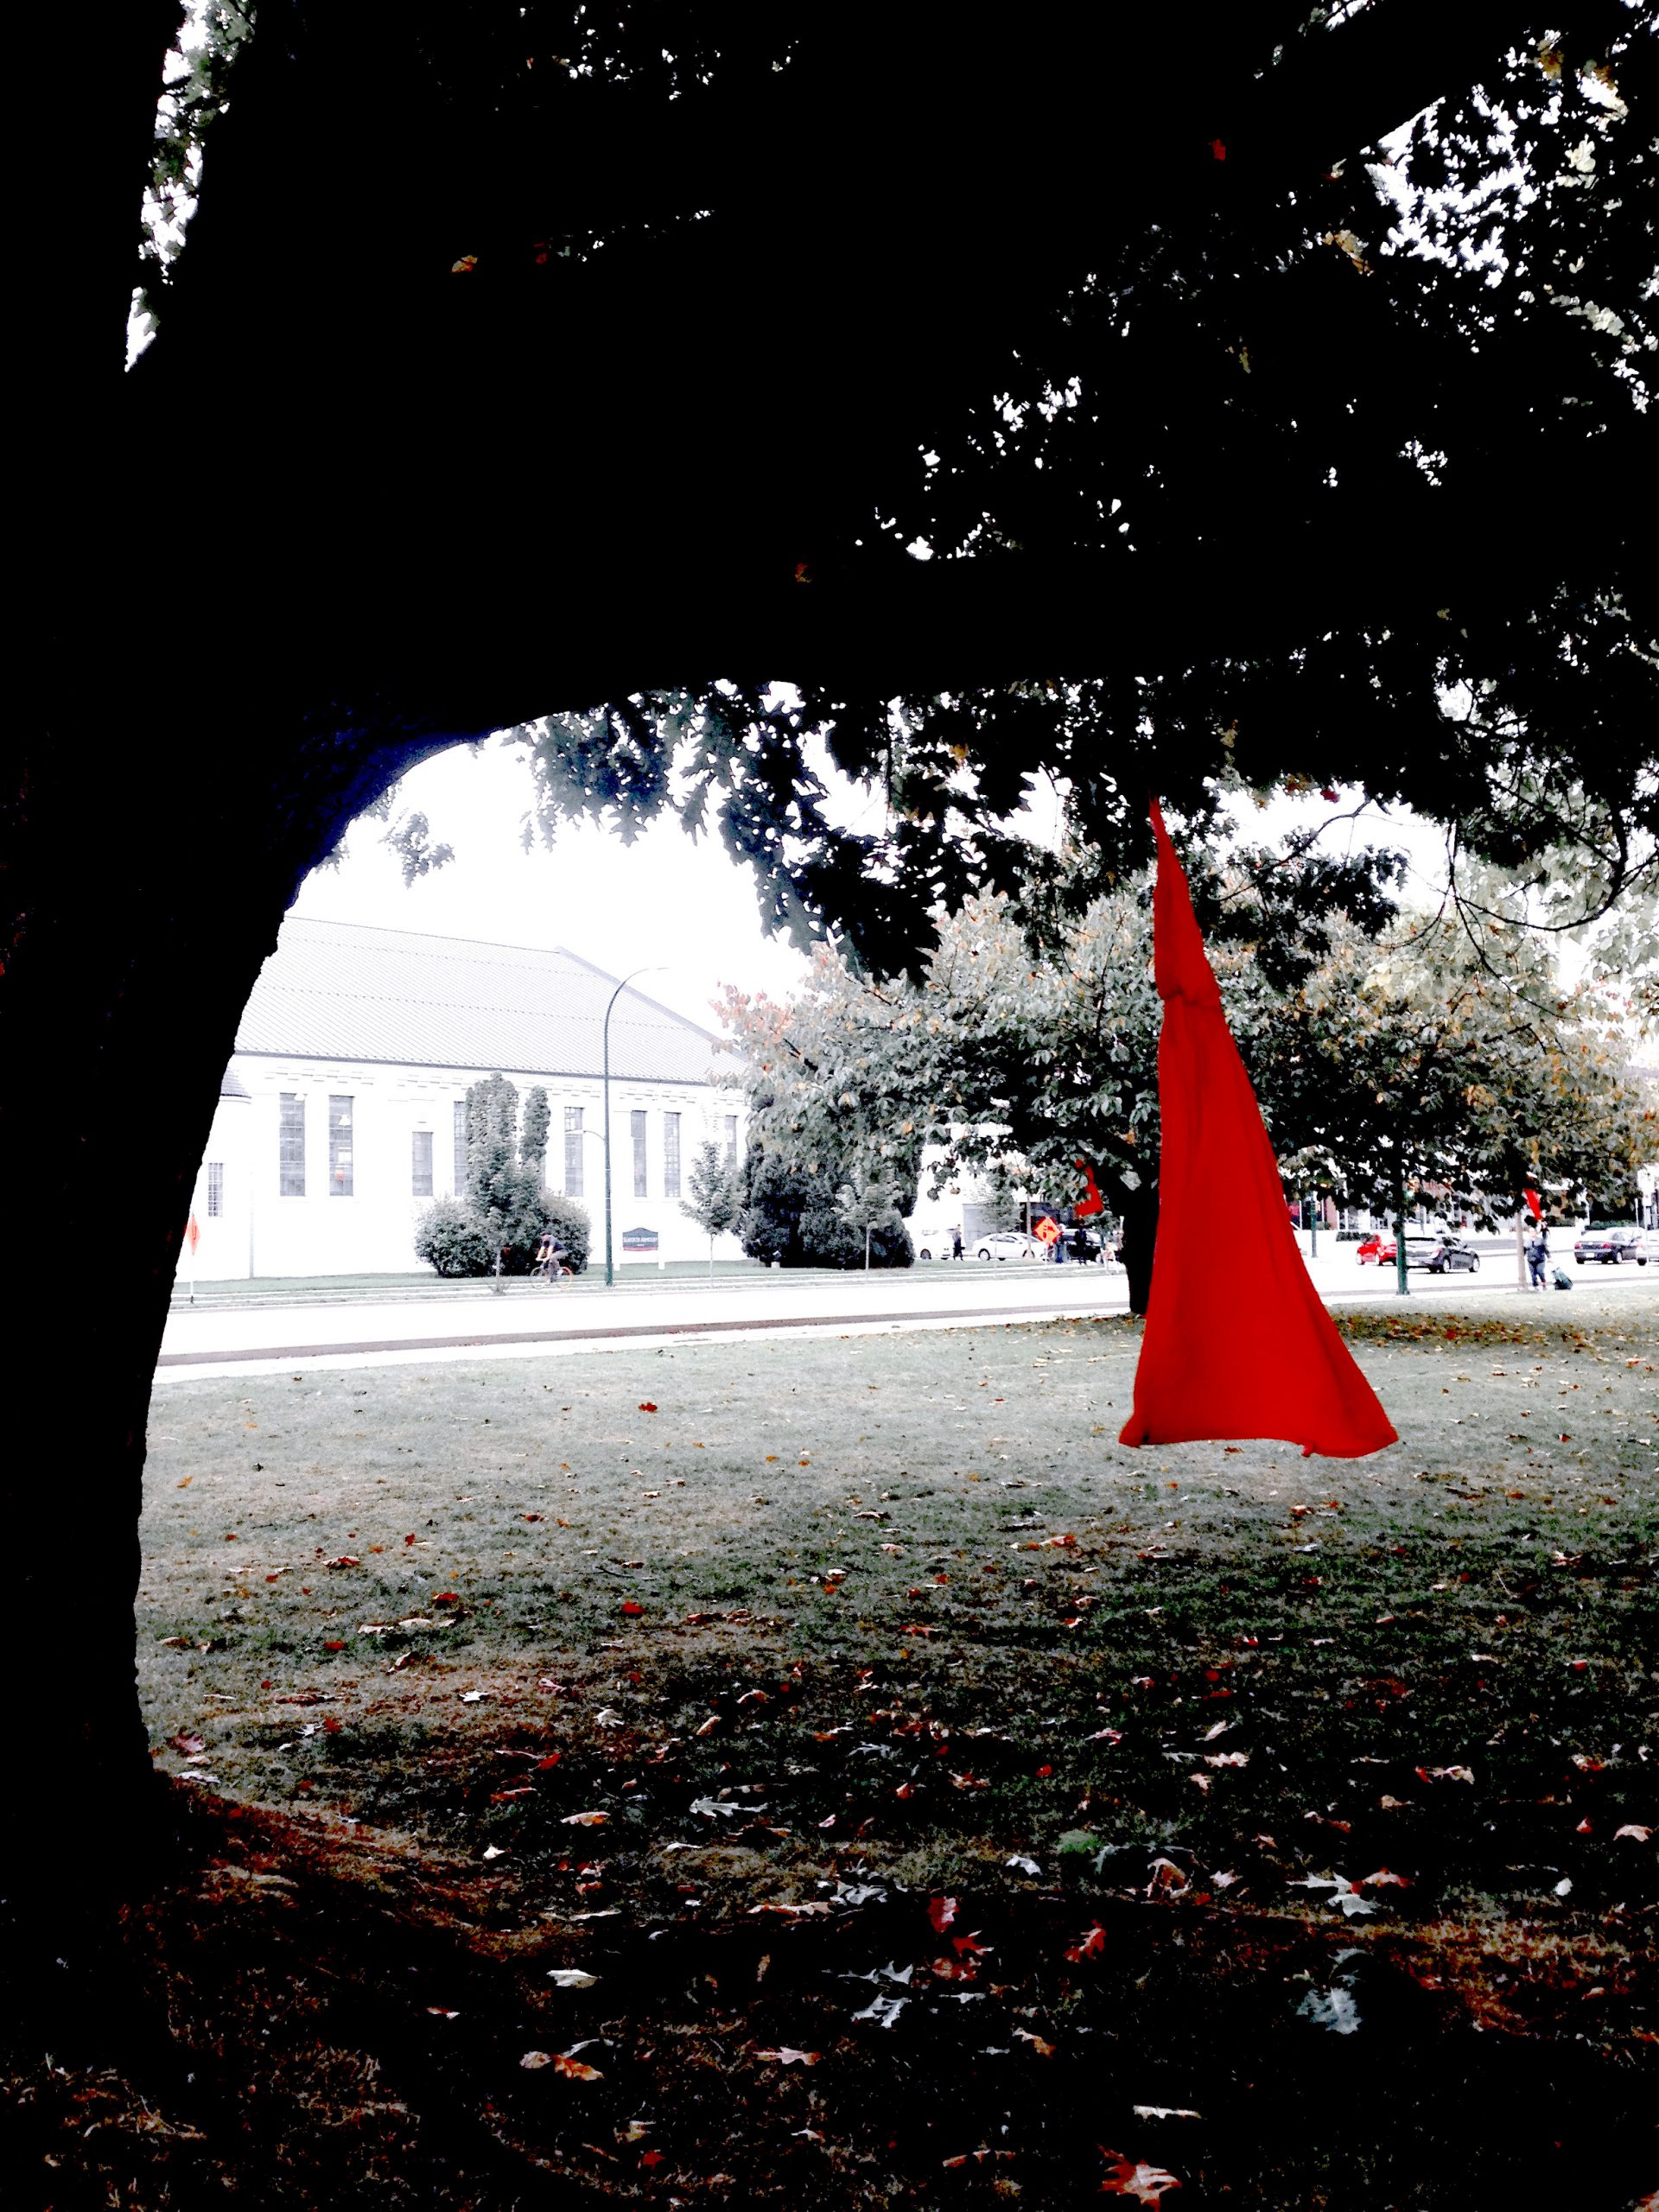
(942, 1796)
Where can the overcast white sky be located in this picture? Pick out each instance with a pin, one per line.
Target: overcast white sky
(663, 899)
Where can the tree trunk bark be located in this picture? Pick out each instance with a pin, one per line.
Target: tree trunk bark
(145, 887)
(1140, 1242)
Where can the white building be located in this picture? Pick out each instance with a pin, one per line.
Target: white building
(341, 1116)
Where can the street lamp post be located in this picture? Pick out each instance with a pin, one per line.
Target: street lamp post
(654, 970)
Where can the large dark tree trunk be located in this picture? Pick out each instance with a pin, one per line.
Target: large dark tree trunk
(146, 887)
(1140, 1242)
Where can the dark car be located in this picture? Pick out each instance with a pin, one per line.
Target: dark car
(1610, 1241)
(1442, 1255)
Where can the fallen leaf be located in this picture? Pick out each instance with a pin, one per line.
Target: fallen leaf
(576, 2069)
(1635, 1832)
(1164, 2111)
(784, 2057)
(584, 1820)
(572, 1978)
(941, 1911)
(1444, 1774)
(1147, 2185)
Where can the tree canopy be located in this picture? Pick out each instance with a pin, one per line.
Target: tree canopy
(1395, 1053)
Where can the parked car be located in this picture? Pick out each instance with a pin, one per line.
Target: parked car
(1005, 1245)
(1441, 1255)
(1646, 1250)
(1610, 1241)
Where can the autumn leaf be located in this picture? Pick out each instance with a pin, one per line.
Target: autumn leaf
(576, 2069)
(1040, 2044)
(646, 1406)
(1147, 2185)
(941, 1911)
(631, 1606)
(784, 2057)
(584, 1820)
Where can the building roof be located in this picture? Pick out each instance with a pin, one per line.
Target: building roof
(345, 991)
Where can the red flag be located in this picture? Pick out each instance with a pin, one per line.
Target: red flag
(1533, 1206)
(1244, 1349)
(1094, 1202)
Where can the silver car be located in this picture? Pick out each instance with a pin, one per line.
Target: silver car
(1005, 1245)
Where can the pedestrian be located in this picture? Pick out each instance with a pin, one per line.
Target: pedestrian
(955, 1243)
(1538, 1256)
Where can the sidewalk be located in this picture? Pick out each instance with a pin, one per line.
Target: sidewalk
(536, 1320)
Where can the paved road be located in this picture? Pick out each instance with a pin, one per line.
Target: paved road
(536, 1322)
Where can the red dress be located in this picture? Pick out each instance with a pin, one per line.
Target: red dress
(1243, 1348)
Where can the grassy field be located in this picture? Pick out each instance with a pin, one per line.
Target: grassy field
(1280, 1824)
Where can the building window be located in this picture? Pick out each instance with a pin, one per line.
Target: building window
(637, 1123)
(291, 1146)
(340, 1147)
(461, 1148)
(421, 1165)
(215, 1188)
(731, 1140)
(671, 1156)
(573, 1152)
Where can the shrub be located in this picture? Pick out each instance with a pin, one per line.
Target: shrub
(570, 1217)
(453, 1240)
(791, 1214)
(456, 1241)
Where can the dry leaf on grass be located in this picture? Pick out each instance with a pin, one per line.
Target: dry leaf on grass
(1147, 2185)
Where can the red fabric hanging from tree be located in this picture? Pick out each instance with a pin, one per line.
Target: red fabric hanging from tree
(1237, 1341)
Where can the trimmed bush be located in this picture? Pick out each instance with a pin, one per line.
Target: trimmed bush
(570, 1217)
(452, 1239)
(790, 1214)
